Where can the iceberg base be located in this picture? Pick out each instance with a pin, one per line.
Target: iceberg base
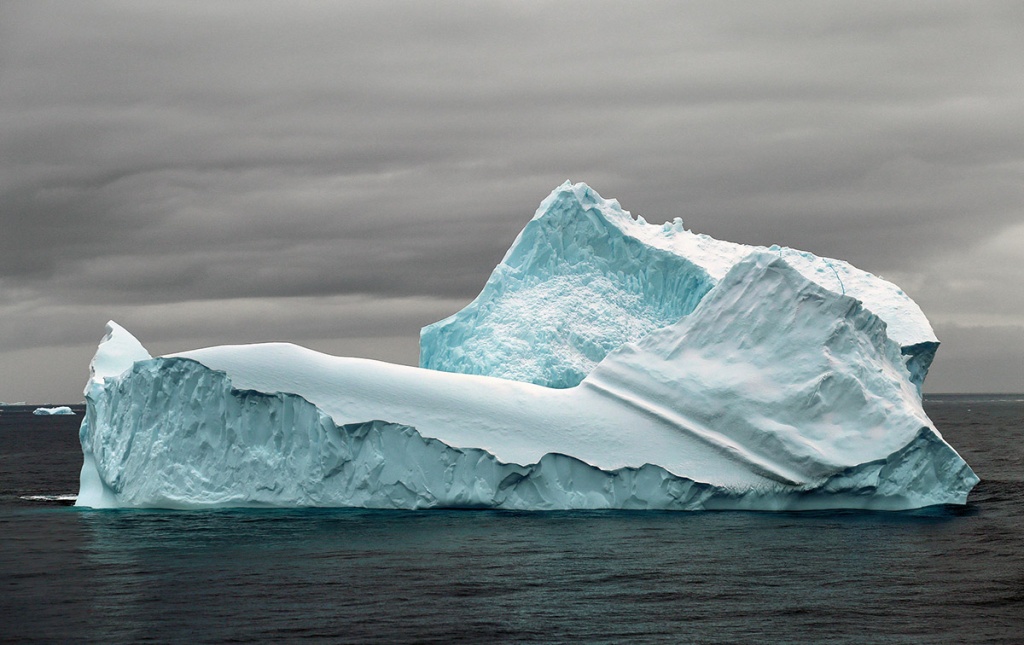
(172, 433)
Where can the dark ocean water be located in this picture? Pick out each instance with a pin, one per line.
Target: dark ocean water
(945, 575)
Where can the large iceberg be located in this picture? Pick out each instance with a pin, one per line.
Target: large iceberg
(738, 383)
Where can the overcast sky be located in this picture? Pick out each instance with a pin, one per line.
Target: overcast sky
(338, 175)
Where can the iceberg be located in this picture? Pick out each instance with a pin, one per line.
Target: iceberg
(58, 411)
(584, 277)
(768, 391)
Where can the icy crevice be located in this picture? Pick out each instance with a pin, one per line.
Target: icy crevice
(715, 440)
(918, 359)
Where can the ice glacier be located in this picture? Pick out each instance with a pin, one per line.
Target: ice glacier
(588, 277)
(772, 392)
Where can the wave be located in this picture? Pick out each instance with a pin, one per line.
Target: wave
(66, 497)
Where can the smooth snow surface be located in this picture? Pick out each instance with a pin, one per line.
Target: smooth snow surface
(773, 393)
(584, 277)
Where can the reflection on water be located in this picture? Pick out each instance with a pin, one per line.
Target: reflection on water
(944, 575)
(360, 575)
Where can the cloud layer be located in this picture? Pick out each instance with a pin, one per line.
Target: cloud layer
(213, 172)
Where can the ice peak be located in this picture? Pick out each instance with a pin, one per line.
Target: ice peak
(570, 198)
(116, 353)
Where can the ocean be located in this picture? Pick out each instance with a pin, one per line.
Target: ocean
(940, 575)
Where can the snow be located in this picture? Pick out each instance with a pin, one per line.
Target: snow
(773, 392)
(118, 349)
(584, 277)
(59, 411)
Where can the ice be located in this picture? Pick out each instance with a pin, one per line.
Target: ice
(584, 277)
(120, 348)
(59, 411)
(773, 393)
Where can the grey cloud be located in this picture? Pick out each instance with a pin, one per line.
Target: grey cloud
(161, 153)
(974, 359)
(188, 324)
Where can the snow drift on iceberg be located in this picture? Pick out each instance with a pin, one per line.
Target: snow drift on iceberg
(773, 393)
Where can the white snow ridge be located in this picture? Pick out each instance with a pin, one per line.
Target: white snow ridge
(608, 363)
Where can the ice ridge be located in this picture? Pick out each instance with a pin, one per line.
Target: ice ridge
(584, 277)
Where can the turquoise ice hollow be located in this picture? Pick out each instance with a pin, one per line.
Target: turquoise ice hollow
(607, 363)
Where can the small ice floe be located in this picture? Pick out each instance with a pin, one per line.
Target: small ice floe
(60, 410)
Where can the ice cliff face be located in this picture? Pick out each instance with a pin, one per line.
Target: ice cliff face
(772, 393)
(584, 277)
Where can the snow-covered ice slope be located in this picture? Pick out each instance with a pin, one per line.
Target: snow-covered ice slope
(584, 277)
(774, 393)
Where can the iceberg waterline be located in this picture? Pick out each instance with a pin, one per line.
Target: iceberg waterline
(771, 392)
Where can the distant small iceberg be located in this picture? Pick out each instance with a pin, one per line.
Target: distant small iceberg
(60, 410)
